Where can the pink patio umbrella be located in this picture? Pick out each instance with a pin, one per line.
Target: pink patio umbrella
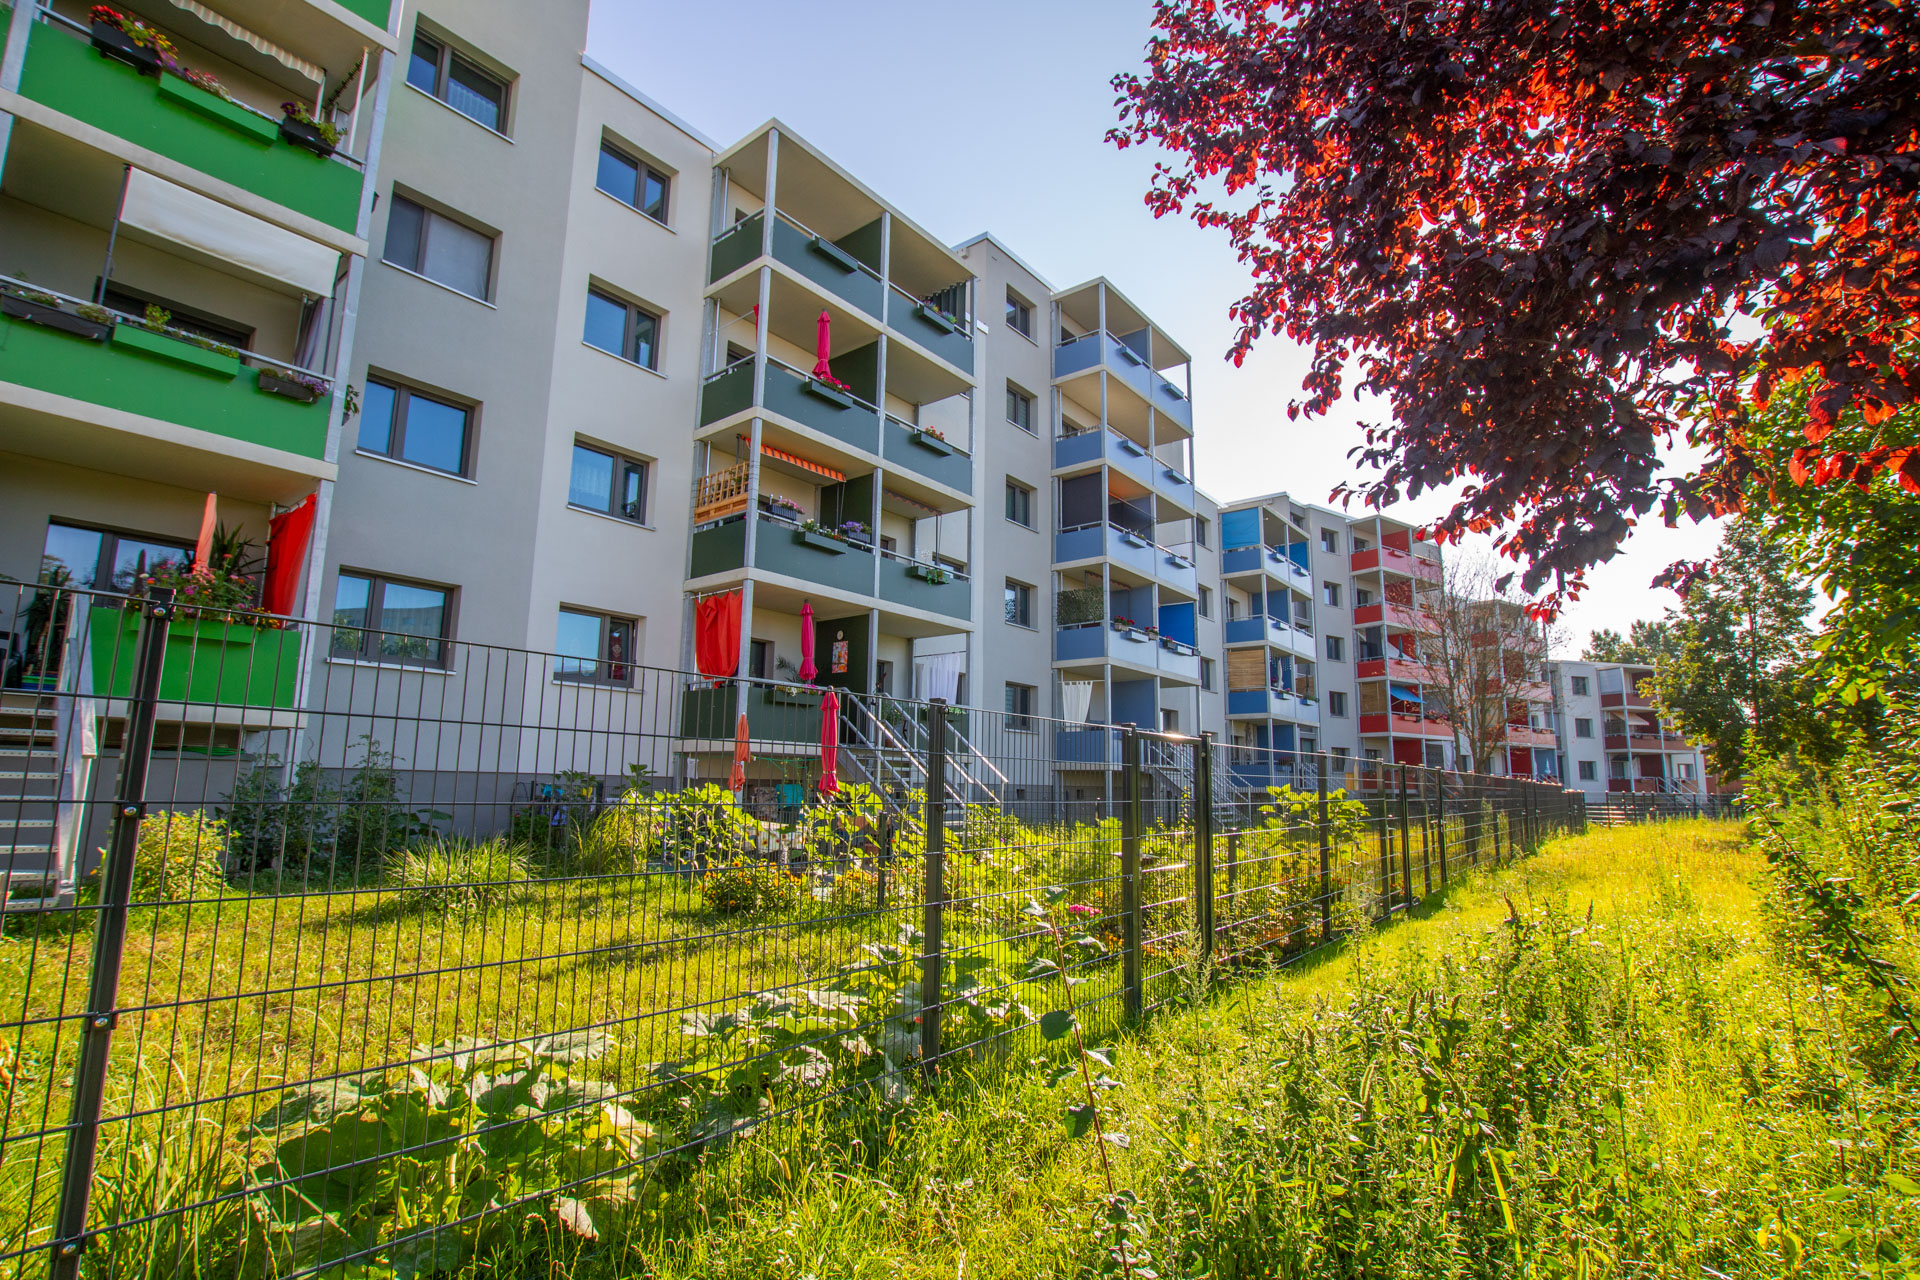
(807, 670)
(823, 348)
(829, 741)
(203, 547)
(737, 776)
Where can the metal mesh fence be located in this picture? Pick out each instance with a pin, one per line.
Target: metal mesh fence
(323, 945)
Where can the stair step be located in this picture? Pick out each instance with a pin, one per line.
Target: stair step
(26, 824)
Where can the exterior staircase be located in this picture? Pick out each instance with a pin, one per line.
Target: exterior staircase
(47, 750)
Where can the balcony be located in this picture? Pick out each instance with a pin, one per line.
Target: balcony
(1521, 735)
(169, 379)
(812, 257)
(1265, 629)
(775, 715)
(1375, 724)
(928, 454)
(214, 670)
(1406, 617)
(1632, 698)
(1394, 560)
(784, 548)
(1272, 704)
(929, 587)
(1094, 747)
(187, 124)
(1645, 742)
(1092, 351)
(1123, 547)
(1098, 642)
(793, 395)
(930, 328)
(1397, 669)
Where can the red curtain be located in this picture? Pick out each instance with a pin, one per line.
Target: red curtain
(288, 536)
(716, 636)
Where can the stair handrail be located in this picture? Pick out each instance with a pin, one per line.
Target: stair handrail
(76, 742)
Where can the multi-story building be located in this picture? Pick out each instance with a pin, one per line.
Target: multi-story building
(1611, 737)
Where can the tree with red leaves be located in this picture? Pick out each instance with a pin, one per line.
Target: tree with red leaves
(1556, 234)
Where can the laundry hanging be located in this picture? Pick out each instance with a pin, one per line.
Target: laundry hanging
(830, 742)
(807, 670)
(289, 535)
(940, 675)
(716, 636)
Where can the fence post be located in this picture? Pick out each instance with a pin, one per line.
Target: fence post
(1406, 845)
(1130, 824)
(933, 957)
(1326, 850)
(1203, 844)
(1383, 830)
(110, 939)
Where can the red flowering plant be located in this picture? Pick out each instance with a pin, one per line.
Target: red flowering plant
(226, 588)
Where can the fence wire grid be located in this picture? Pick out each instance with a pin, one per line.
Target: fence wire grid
(299, 918)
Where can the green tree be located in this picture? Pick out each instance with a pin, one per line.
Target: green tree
(1736, 680)
(1647, 642)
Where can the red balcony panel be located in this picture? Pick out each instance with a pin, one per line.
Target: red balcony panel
(1364, 560)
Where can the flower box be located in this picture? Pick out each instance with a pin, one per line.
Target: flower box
(292, 388)
(782, 696)
(933, 443)
(820, 541)
(302, 134)
(218, 109)
(1133, 448)
(1132, 539)
(1129, 354)
(832, 395)
(52, 317)
(935, 317)
(116, 44)
(932, 573)
(835, 254)
(177, 350)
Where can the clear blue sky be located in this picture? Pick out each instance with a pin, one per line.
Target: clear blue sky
(990, 116)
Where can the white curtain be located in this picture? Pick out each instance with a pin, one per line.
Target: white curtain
(156, 209)
(1076, 698)
(940, 675)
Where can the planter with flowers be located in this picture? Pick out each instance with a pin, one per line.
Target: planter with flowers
(931, 439)
(152, 336)
(936, 574)
(832, 539)
(129, 40)
(299, 126)
(303, 387)
(223, 650)
(47, 311)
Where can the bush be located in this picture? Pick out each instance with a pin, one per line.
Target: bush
(463, 877)
(179, 856)
(749, 888)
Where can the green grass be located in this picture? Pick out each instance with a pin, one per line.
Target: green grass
(1608, 1026)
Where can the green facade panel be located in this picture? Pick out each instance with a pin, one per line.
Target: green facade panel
(929, 457)
(374, 11)
(719, 549)
(781, 548)
(772, 715)
(68, 75)
(209, 662)
(899, 585)
(123, 374)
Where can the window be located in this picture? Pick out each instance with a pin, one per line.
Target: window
(439, 248)
(437, 70)
(412, 426)
(622, 329)
(1020, 706)
(379, 619)
(609, 483)
(1579, 686)
(1169, 720)
(1583, 728)
(1330, 541)
(1019, 503)
(1019, 604)
(593, 647)
(633, 182)
(1336, 702)
(201, 324)
(1336, 649)
(1206, 673)
(1019, 408)
(760, 659)
(1202, 530)
(107, 560)
(1362, 597)
(1205, 606)
(1019, 314)
(1587, 771)
(1330, 593)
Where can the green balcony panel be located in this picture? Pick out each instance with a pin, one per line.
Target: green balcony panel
(65, 73)
(827, 265)
(374, 11)
(720, 549)
(773, 715)
(209, 662)
(930, 457)
(902, 583)
(781, 549)
(143, 373)
(830, 412)
(727, 392)
(930, 329)
(734, 248)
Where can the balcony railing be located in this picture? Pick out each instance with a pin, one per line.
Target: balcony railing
(809, 255)
(929, 453)
(1127, 456)
(796, 396)
(1089, 351)
(925, 584)
(930, 328)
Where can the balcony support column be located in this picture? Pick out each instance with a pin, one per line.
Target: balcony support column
(19, 25)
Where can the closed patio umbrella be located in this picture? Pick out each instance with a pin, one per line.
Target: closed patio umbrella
(737, 776)
(830, 741)
(823, 348)
(203, 548)
(807, 670)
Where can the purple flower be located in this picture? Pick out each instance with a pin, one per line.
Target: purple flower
(1082, 909)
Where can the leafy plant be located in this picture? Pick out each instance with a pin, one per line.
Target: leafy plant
(179, 856)
(705, 826)
(298, 113)
(474, 1150)
(751, 888)
(462, 878)
(95, 313)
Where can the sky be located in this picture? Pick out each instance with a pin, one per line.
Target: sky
(991, 117)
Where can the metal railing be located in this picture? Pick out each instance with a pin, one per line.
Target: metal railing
(386, 889)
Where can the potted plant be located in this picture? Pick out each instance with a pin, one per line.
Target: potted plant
(934, 574)
(933, 440)
(776, 505)
(812, 533)
(299, 126)
(936, 317)
(292, 384)
(834, 393)
(46, 310)
(129, 40)
(852, 531)
(172, 344)
(1121, 623)
(1132, 539)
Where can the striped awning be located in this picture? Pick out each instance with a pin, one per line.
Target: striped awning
(291, 62)
(795, 460)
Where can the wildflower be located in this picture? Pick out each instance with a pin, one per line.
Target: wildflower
(1082, 909)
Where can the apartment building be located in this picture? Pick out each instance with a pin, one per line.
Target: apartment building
(1611, 737)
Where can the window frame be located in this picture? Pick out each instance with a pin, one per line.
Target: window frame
(1330, 541)
(110, 539)
(1583, 727)
(1330, 594)
(428, 214)
(633, 309)
(1020, 720)
(1579, 687)
(403, 394)
(1026, 493)
(377, 584)
(1337, 703)
(1206, 674)
(443, 76)
(622, 461)
(1023, 593)
(1202, 530)
(1014, 393)
(1336, 648)
(1203, 602)
(1017, 302)
(1586, 771)
(618, 674)
(643, 169)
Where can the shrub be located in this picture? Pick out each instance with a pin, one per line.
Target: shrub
(179, 856)
(749, 888)
(463, 877)
(704, 826)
